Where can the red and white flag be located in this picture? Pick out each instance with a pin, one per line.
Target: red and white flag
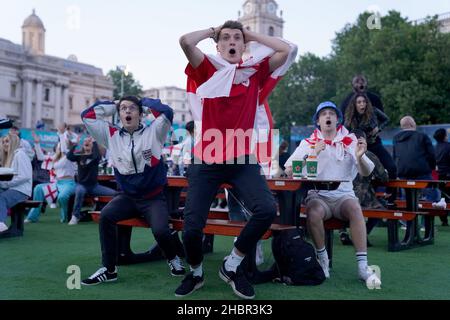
(50, 193)
(48, 163)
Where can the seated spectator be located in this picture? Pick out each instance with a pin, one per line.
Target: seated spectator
(365, 192)
(442, 154)
(65, 183)
(88, 161)
(19, 188)
(443, 162)
(414, 155)
(340, 156)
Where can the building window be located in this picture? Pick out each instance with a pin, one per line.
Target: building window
(87, 102)
(271, 31)
(169, 93)
(183, 106)
(47, 95)
(71, 102)
(183, 118)
(13, 90)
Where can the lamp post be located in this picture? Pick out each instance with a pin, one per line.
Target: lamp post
(124, 70)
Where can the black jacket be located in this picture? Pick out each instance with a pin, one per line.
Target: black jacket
(443, 160)
(413, 154)
(87, 165)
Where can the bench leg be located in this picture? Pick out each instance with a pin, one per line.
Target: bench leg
(329, 234)
(429, 231)
(16, 227)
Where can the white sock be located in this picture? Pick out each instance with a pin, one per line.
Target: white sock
(322, 254)
(233, 261)
(198, 271)
(361, 258)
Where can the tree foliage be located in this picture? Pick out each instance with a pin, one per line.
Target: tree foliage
(131, 87)
(407, 64)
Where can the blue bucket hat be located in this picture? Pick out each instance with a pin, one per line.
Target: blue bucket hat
(330, 105)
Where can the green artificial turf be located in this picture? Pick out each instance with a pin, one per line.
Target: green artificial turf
(34, 267)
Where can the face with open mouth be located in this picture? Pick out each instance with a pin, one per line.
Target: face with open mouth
(327, 119)
(231, 45)
(361, 105)
(129, 115)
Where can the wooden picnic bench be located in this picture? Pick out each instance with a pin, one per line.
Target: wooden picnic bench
(216, 224)
(392, 216)
(17, 217)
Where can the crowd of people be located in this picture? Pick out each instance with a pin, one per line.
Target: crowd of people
(226, 92)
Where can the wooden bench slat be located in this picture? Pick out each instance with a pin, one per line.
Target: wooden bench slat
(213, 226)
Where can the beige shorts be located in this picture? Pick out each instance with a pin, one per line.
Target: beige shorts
(332, 206)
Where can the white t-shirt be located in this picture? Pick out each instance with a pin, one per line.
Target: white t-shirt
(336, 162)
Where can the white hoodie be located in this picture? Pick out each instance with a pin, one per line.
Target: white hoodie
(23, 178)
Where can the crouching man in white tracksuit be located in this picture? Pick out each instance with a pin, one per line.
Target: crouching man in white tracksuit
(135, 152)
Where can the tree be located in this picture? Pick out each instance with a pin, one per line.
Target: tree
(130, 85)
(308, 82)
(407, 64)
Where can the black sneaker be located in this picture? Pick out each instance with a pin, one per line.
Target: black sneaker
(237, 280)
(176, 267)
(101, 275)
(189, 285)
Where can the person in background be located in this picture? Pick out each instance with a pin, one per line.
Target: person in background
(359, 85)
(443, 162)
(88, 161)
(65, 183)
(24, 144)
(415, 158)
(19, 188)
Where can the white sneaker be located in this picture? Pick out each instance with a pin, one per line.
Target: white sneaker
(325, 264)
(3, 227)
(440, 205)
(369, 276)
(74, 220)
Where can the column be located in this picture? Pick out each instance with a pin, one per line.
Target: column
(65, 89)
(26, 104)
(57, 121)
(38, 113)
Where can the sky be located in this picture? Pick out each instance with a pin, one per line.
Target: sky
(143, 34)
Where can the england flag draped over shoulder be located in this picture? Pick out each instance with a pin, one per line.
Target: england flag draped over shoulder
(219, 85)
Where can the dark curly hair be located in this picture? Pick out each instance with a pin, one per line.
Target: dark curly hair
(351, 121)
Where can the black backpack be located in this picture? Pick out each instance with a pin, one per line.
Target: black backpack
(295, 260)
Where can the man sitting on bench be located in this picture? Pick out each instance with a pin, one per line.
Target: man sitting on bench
(135, 151)
(340, 156)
